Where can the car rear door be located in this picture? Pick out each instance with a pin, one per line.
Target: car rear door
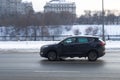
(83, 45)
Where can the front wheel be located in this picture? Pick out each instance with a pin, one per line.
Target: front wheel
(52, 56)
(92, 56)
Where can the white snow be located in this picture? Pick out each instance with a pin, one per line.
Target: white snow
(35, 45)
(112, 44)
(59, 30)
(109, 29)
(24, 44)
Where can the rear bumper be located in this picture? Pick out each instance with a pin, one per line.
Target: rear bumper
(101, 51)
(101, 54)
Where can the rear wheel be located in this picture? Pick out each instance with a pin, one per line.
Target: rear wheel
(52, 56)
(92, 56)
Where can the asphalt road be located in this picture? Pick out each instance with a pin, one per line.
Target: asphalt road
(30, 66)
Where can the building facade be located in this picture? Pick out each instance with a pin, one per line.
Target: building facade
(14, 7)
(60, 6)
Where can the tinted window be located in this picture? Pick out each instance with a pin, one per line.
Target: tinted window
(82, 40)
(91, 39)
(69, 40)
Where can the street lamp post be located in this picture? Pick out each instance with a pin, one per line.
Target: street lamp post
(103, 31)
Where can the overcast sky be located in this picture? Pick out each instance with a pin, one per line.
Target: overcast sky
(81, 4)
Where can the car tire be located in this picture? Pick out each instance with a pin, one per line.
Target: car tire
(61, 59)
(92, 56)
(52, 56)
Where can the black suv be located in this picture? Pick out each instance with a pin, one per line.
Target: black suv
(77, 46)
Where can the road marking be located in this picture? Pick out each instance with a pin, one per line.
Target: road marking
(57, 71)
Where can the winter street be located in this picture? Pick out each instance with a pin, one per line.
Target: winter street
(15, 65)
(45, 39)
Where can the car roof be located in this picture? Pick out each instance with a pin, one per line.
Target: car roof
(85, 36)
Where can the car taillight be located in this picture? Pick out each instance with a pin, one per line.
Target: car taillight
(102, 43)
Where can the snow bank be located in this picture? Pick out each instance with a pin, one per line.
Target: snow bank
(38, 44)
(24, 44)
(113, 44)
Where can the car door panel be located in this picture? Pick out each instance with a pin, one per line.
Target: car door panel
(83, 45)
(69, 49)
(83, 48)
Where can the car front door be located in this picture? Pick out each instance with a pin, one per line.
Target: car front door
(69, 47)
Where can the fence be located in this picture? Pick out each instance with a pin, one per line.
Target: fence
(47, 38)
(33, 38)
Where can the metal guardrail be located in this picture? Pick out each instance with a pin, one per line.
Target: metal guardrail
(33, 38)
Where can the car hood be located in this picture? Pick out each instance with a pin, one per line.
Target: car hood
(51, 44)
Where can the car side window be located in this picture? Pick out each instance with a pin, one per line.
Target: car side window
(70, 40)
(91, 39)
(83, 40)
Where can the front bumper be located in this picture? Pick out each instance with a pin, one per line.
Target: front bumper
(43, 52)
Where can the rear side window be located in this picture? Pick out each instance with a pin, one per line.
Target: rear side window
(83, 40)
(92, 39)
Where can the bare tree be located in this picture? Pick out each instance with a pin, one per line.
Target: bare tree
(77, 32)
(88, 31)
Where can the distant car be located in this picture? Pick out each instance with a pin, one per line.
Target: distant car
(77, 46)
